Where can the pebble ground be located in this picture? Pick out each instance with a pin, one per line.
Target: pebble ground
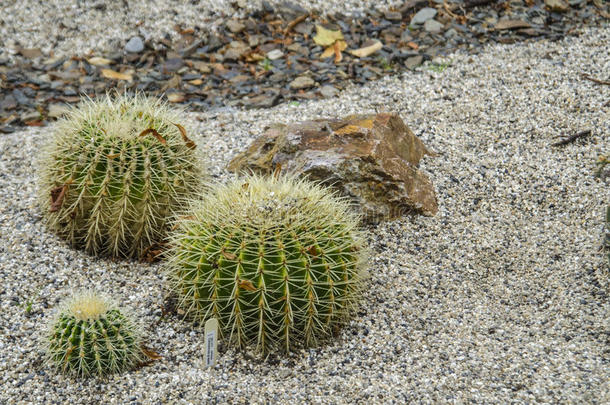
(76, 26)
(501, 297)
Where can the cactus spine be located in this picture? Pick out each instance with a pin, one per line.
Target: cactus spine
(113, 173)
(91, 336)
(278, 261)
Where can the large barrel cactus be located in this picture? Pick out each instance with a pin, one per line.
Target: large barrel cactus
(278, 261)
(114, 171)
(92, 336)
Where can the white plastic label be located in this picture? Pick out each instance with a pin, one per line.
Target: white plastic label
(211, 342)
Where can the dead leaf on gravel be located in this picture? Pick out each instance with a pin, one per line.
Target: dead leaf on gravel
(335, 49)
(175, 97)
(151, 354)
(111, 74)
(97, 61)
(511, 24)
(326, 37)
(367, 50)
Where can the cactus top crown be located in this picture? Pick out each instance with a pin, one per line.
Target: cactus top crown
(88, 307)
(275, 202)
(124, 117)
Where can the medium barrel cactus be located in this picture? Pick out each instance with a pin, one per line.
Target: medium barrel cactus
(278, 262)
(114, 171)
(91, 336)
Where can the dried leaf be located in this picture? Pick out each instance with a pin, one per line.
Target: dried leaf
(367, 50)
(151, 354)
(97, 61)
(228, 255)
(338, 47)
(155, 133)
(247, 285)
(153, 252)
(277, 171)
(312, 250)
(412, 45)
(111, 74)
(186, 139)
(511, 24)
(175, 97)
(328, 52)
(335, 49)
(57, 196)
(326, 37)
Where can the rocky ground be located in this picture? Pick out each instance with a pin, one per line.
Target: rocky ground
(257, 56)
(502, 296)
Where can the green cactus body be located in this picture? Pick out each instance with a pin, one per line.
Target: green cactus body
(114, 172)
(91, 336)
(277, 261)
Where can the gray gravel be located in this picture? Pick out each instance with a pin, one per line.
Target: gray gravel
(77, 26)
(501, 297)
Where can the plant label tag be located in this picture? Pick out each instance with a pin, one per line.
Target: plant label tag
(211, 342)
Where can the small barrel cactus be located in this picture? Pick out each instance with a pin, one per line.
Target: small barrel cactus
(278, 261)
(114, 171)
(91, 336)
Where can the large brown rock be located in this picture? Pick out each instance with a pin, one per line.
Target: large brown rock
(370, 158)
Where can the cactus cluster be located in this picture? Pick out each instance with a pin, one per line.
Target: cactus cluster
(113, 173)
(91, 336)
(278, 261)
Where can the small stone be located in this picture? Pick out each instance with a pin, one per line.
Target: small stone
(134, 45)
(30, 53)
(21, 98)
(57, 110)
(304, 28)
(9, 103)
(393, 15)
(298, 48)
(236, 50)
(235, 26)
(203, 67)
(328, 91)
(413, 61)
(172, 65)
(423, 15)
(262, 101)
(450, 33)
(559, 6)
(302, 82)
(275, 54)
(433, 26)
